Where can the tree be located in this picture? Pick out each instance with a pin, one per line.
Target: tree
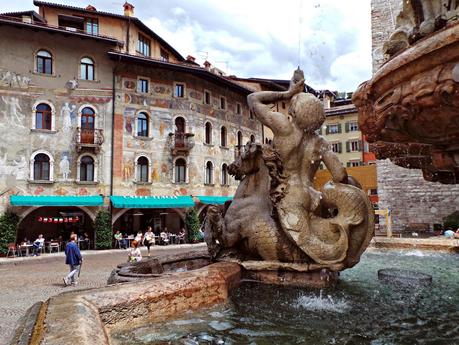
(192, 225)
(8, 227)
(103, 230)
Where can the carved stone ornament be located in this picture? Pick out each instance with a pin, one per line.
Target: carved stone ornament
(277, 217)
(409, 110)
(417, 19)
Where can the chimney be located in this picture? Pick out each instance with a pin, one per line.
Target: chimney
(190, 58)
(207, 64)
(128, 9)
(90, 8)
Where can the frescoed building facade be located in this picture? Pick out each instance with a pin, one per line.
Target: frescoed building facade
(98, 111)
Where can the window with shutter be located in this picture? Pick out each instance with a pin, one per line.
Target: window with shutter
(347, 127)
(348, 146)
(339, 127)
(340, 148)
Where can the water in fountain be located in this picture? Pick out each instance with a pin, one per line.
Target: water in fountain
(362, 310)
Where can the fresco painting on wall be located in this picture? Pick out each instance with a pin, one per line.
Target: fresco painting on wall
(128, 169)
(14, 110)
(67, 114)
(14, 80)
(64, 165)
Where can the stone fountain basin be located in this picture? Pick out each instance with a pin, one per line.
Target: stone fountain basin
(409, 110)
(87, 317)
(155, 267)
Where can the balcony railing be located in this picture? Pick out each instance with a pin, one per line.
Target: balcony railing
(89, 138)
(182, 143)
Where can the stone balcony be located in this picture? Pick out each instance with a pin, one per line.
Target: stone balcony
(181, 143)
(89, 139)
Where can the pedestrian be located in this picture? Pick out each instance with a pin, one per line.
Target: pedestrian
(73, 259)
(149, 239)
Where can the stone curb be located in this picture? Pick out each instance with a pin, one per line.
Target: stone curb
(61, 255)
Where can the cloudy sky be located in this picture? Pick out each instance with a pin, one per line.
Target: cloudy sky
(329, 39)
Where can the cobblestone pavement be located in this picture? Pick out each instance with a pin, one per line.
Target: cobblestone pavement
(27, 281)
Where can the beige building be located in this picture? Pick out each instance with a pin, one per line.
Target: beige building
(341, 130)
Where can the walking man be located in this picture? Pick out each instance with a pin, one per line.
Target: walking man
(73, 259)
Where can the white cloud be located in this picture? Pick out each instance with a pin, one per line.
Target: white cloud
(259, 38)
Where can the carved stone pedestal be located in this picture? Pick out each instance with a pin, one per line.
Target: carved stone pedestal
(288, 274)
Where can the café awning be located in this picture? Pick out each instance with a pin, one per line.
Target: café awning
(214, 200)
(56, 200)
(152, 201)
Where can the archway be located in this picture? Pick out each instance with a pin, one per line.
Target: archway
(55, 223)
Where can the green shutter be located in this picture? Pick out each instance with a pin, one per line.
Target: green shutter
(359, 146)
(339, 127)
(348, 164)
(347, 127)
(327, 130)
(348, 146)
(340, 147)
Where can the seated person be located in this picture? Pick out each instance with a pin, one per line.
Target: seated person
(139, 237)
(181, 236)
(38, 245)
(134, 254)
(164, 238)
(119, 237)
(449, 233)
(25, 241)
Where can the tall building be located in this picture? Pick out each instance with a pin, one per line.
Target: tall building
(98, 110)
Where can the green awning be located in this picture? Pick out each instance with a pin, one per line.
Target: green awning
(214, 200)
(153, 201)
(56, 200)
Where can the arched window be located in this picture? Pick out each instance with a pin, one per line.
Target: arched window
(223, 136)
(252, 138)
(87, 69)
(180, 125)
(142, 169)
(43, 116)
(41, 167)
(209, 173)
(44, 62)
(180, 170)
(239, 139)
(87, 168)
(88, 117)
(224, 175)
(208, 133)
(142, 125)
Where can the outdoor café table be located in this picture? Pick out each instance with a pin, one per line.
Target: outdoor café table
(26, 247)
(129, 239)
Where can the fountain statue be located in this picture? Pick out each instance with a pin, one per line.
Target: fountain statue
(277, 220)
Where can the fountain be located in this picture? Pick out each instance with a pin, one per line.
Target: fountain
(278, 227)
(409, 109)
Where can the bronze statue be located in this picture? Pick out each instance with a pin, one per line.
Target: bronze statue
(276, 213)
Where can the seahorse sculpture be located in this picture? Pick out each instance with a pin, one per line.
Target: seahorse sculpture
(276, 213)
